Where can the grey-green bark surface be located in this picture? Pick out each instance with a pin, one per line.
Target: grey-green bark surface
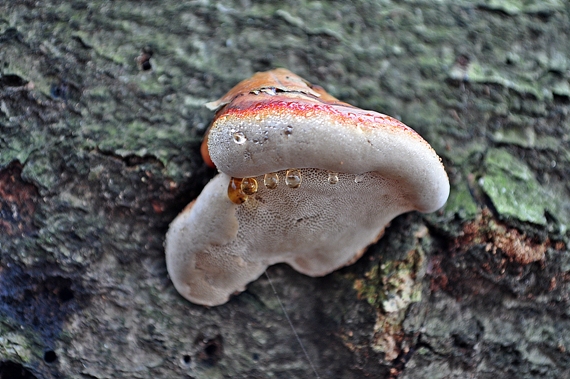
(99, 152)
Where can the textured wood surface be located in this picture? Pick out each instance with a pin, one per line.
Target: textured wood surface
(101, 118)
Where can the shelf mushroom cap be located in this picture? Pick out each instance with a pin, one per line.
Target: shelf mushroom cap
(339, 175)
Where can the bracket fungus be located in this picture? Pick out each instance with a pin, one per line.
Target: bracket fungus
(304, 179)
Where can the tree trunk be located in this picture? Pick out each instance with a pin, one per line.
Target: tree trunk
(101, 119)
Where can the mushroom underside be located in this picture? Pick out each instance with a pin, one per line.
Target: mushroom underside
(216, 247)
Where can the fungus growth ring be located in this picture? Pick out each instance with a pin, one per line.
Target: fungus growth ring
(304, 179)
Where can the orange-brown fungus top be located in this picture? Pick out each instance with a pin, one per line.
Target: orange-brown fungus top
(279, 90)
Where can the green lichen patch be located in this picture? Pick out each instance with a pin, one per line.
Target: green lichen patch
(480, 73)
(391, 287)
(15, 347)
(143, 140)
(514, 190)
(513, 7)
(520, 131)
(460, 202)
(41, 171)
(17, 343)
(400, 286)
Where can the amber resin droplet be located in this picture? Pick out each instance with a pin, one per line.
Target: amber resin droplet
(235, 193)
(249, 186)
(293, 178)
(271, 180)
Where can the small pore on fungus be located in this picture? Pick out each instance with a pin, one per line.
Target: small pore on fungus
(304, 179)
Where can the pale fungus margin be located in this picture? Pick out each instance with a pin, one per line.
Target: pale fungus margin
(304, 179)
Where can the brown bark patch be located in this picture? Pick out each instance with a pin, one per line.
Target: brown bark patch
(17, 201)
(497, 237)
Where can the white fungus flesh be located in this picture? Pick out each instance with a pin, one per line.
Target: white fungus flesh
(304, 179)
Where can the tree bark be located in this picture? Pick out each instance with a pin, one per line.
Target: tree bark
(101, 119)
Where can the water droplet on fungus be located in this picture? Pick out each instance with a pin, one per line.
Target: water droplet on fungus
(270, 91)
(293, 178)
(239, 138)
(249, 186)
(358, 178)
(271, 180)
(333, 177)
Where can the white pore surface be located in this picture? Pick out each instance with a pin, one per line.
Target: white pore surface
(215, 248)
